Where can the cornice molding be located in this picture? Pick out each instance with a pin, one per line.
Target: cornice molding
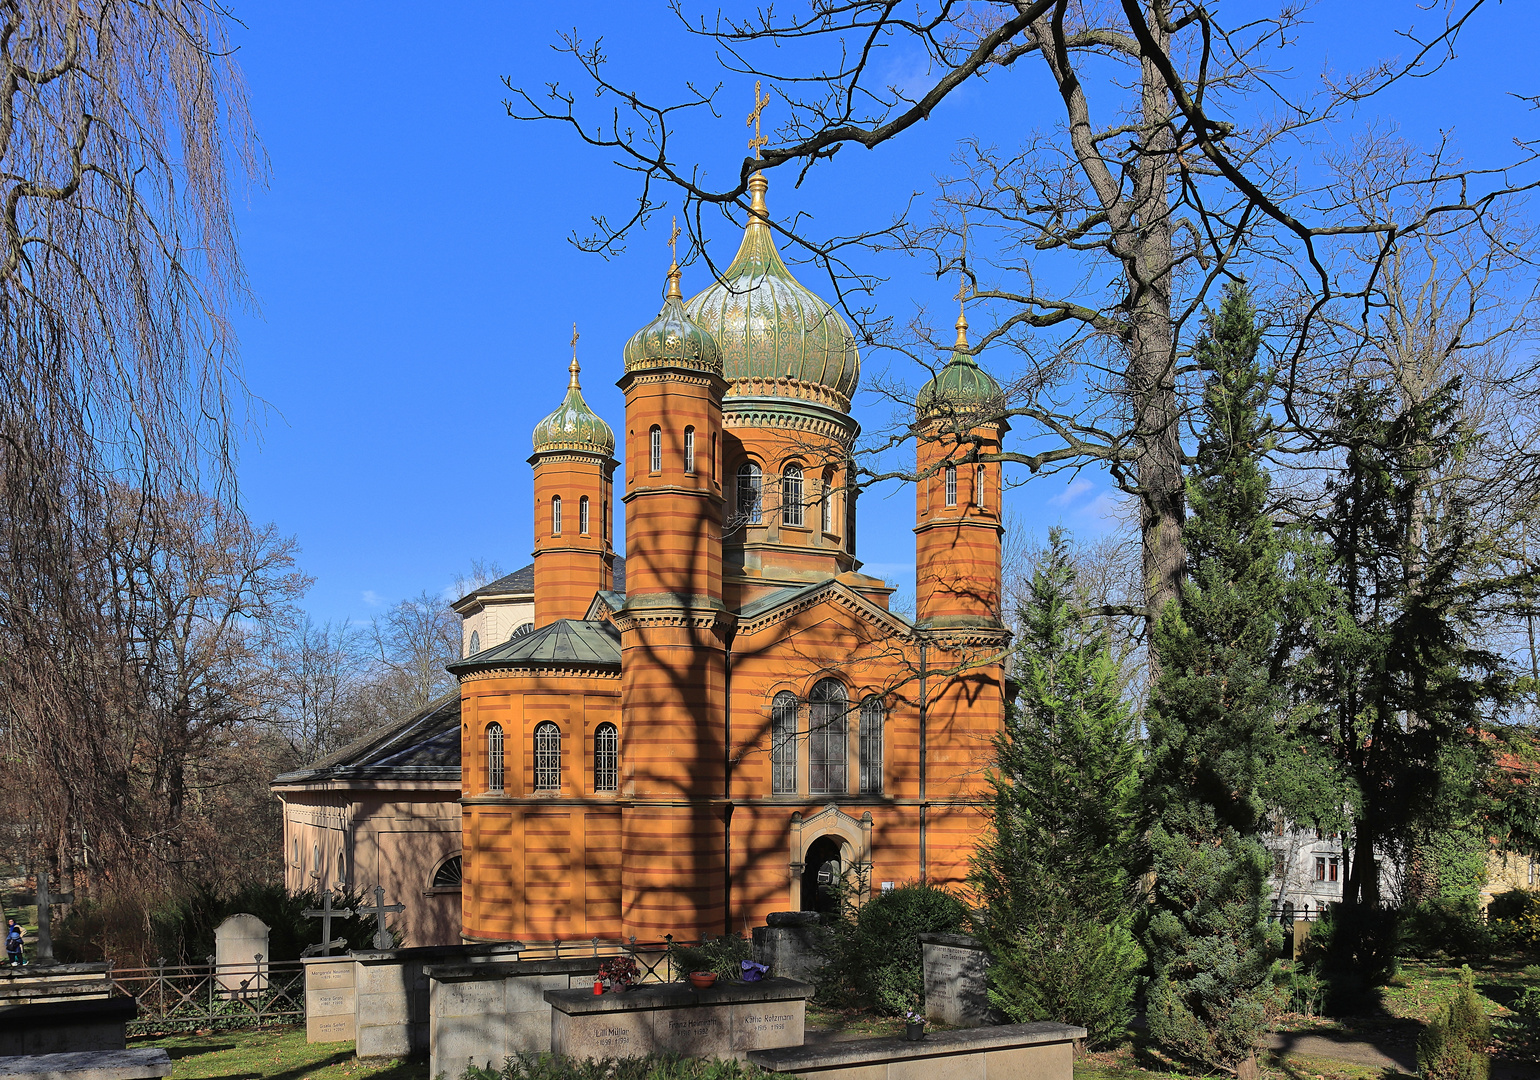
(545, 670)
(840, 594)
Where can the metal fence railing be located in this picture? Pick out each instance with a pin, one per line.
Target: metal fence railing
(187, 997)
(653, 959)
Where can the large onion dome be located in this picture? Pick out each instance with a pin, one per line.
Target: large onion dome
(574, 426)
(777, 338)
(673, 339)
(961, 386)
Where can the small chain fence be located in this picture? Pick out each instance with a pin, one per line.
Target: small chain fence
(191, 997)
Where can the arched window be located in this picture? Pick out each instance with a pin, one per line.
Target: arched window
(555, 515)
(315, 858)
(583, 515)
(296, 851)
(783, 744)
(828, 755)
(981, 488)
(604, 514)
(606, 758)
(342, 868)
(522, 629)
(657, 448)
(750, 480)
(547, 757)
(871, 746)
(791, 495)
(711, 463)
(494, 757)
(449, 874)
(951, 485)
(826, 503)
(689, 450)
(475, 645)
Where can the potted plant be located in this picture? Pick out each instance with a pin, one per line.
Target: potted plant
(619, 972)
(914, 1026)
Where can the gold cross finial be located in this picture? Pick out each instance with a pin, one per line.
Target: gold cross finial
(759, 106)
(673, 239)
(962, 289)
(574, 341)
(572, 382)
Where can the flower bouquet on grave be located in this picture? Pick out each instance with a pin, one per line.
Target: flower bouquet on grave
(619, 972)
(752, 972)
(914, 1026)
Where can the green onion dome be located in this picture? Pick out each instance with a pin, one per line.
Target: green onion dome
(777, 338)
(672, 339)
(574, 426)
(960, 386)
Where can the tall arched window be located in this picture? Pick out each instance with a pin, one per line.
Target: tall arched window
(689, 450)
(791, 495)
(783, 744)
(951, 485)
(494, 757)
(828, 753)
(583, 515)
(555, 515)
(342, 869)
(657, 448)
(296, 851)
(604, 515)
(981, 488)
(475, 645)
(315, 858)
(547, 757)
(711, 462)
(871, 746)
(826, 503)
(606, 758)
(750, 481)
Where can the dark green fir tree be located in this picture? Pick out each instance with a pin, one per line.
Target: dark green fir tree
(1213, 724)
(1052, 871)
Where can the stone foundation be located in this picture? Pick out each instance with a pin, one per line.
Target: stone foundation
(484, 1013)
(137, 1064)
(1008, 1052)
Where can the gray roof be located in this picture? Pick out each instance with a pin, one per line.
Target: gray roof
(423, 746)
(522, 580)
(565, 641)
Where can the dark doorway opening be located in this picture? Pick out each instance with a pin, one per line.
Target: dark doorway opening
(821, 872)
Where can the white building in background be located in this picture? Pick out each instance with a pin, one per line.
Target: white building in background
(1310, 869)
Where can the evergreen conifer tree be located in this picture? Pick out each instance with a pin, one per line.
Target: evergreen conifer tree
(1213, 725)
(1053, 869)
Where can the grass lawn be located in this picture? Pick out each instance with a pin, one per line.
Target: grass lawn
(272, 1054)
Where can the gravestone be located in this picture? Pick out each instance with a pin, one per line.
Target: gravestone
(795, 944)
(485, 1013)
(240, 946)
(956, 972)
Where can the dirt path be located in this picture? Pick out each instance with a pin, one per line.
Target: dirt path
(1391, 1052)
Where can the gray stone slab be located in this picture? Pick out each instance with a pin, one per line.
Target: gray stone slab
(485, 1012)
(89, 1065)
(798, 1059)
(726, 1020)
(956, 973)
(791, 951)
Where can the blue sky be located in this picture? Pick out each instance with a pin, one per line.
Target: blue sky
(416, 287)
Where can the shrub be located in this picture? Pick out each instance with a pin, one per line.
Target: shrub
(1081, 971)
(1513, 918)
(1439, 928)
(877, 958)
(1527, 1007)
(720, 954)
(1354, 949)
(1453, 1046)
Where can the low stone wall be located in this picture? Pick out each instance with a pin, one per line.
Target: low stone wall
(386, 995)
(956, 979)
(1008, 1052)
(53, 1027)
(136, 1064)
(57, 982)
(727, 1020)
(484, 1013)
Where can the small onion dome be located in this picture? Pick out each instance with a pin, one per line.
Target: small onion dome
(672, 339)
(776, 336)
(574, 426)
(960, 386)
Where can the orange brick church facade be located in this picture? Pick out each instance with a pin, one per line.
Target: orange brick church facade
(685, 757)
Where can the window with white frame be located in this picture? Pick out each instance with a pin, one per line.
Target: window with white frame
(475, 645)
(750, 494)
(872, 717)
(689, 450)
(583, 515)
(981, 487)
(791, 495)
(494, 757)
(657, 448)
(826, 505)
(555, 515)
(951, 485)
(547, 757)
(828, 753)
(606, 758)
(783, 744)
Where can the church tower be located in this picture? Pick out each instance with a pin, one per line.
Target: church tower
(574, 463)
(674, 629)
(957, 516)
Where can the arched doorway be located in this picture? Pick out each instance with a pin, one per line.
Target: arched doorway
(821, 872)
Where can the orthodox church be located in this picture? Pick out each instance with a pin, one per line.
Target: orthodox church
(742, 721)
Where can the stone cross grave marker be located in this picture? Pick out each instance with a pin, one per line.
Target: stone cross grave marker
(326, 913)
(380, 909)
(240, 943)
(43, 949)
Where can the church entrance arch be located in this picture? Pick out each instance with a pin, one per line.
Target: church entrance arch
(821, 873)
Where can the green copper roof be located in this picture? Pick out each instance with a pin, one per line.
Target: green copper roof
(961, 384)
(565, 641)
(768, 326)
(574, 426)
(672, 339)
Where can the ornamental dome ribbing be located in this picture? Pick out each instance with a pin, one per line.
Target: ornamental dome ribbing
(960, 386)
(673, 339)
(777, 338)
(574, 426)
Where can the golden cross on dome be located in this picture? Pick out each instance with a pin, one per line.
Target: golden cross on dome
(673, 239)
(759, 106)
(962, 268)
(574, 340)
